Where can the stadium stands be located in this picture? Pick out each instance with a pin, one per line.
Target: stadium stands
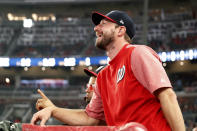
(175, 32)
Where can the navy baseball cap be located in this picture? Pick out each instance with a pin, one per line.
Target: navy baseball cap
(119, 17)
(91, 73)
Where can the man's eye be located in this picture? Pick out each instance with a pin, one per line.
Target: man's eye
(104, 23)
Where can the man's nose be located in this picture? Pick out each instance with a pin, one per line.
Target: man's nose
(87, 89)
(96, 28)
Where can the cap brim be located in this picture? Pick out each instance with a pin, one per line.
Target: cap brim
(90, 73)
(97, 17)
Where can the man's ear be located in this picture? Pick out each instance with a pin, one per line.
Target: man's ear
(122, 31)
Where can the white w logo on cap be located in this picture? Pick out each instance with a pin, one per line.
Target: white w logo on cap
(122, 22)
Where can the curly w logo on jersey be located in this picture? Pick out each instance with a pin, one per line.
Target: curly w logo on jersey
(120, 74)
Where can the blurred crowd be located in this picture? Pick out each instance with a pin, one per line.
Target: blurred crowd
(166, 32)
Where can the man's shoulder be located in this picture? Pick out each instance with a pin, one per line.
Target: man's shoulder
(138, 47)
(143, 51)
(142, 48)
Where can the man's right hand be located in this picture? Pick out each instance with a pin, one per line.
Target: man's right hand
(42, 115)
(44, 102)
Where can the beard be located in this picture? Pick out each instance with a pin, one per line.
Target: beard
(107, 38)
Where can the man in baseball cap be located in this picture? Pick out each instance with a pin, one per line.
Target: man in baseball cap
(91, 83)
(119, 17)
(133, 77)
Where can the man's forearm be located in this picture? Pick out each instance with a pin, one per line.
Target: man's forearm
(73, 116)
(171, 110)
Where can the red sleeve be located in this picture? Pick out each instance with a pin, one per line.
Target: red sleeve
(148, 69)
(95, 108)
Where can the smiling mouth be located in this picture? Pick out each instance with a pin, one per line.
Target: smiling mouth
(98, 35)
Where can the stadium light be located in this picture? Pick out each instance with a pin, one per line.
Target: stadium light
(72, 68)
(34, 16)
(7, 80)
(163, 56)
(26, 69)
(182, 55)
(25, 62)
(43, 68)
(53, 18)
(164, 64)
(181, 63)
(191, 54)
(90, 67)
(27, 23)
(10, 17)
(87, 61)
(69, 61)
(48, 62)
(4, 62)
(173, 56)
